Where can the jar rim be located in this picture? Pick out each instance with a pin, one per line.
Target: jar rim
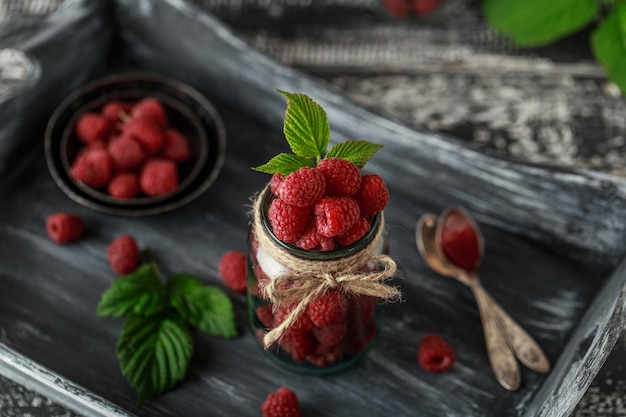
(343, 252)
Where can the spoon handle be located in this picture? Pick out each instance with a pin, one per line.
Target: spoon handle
(503, 362)
(525, 347)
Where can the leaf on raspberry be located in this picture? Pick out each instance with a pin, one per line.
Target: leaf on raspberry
(284, 164)
(359, 152)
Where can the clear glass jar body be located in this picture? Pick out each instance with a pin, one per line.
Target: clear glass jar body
(310, 346)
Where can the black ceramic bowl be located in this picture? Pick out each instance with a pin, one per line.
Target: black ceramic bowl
(187, 110)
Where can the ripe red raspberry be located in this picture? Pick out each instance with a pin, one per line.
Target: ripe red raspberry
(331, 334)
(275, 182)
(124, 185)
(123, 254)
(287, 221)
(356, 232)
(327, 308)
(126, 153)
(64, 227)
(327, 244)
(175, 146)
(152, 108)
(297, 343)
(334, 216)
(302, 188)
(326, 355)
(303, 322)
(282, 403)
(265, 316)
(146, 132)
(373, 195)
(158, 177)
(92, 167)
(233, 269)
(355, 343)
(398, 8)
(116, 111)
(425, 7)
(361, 310)
(435, 354)
(309, 239)
(343, 178)
(91, 127)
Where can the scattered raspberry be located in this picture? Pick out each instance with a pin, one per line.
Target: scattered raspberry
(91, 127)
(158, 177)
(123, 255)
(175, 146)
(282, 403)
(124, 185)
(356, 232)
(331, 334)
(327, 308)
(275, 182)
(233, 268)
(334, 216)
(373, 195)
(297, 343)
(287, 221)
(116, 111)
(151, 108)
(343, 178)
(326, 355)
(302, 188)
(92, 167)
(265, 316)
(435, 354)
(146, 132)
(64, 227)
(303, 322)
(126, 153)
(425, 7)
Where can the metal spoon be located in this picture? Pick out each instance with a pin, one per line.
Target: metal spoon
(501, 357)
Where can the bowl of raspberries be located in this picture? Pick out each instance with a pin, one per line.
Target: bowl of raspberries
(134, 144)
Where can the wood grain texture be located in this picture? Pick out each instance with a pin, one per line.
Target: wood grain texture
(554, 243)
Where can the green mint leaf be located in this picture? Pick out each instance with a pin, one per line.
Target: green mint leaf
(139, 293)
(306, 126)
(285, 164)
(205, 307)
(532, 23)
(154, 353)
(356, 151)
(608, 42)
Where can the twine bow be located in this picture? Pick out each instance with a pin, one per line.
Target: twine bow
(310, 278)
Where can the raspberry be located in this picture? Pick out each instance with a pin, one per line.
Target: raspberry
(92, 167)
(175, 146)
(150, 108)
(356, 343)
(327, 244)
(287, 221)
(91, 127)
(360, 312)
(146, 132)
(425, 7)
(334, 216)
(124, 185)
(64, 227)
(158, 177)
(302, 188)
(123, 255)
(126, 153)
(373, 195)
(331, 334)
(435, 354)
(233, 268)
(116, 111)
(326, 355)
(303, 322)
(327, 308)
(309, 239)
(265, 316)
(342, 177)
(282, 403)
(356, 232)
(297, 343)
(398, 8)
(275, 182)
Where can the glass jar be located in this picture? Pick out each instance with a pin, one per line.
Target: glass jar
(313, 344)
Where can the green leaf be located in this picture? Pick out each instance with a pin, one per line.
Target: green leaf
(306, 126)
(356, 151)
(532, 23)
(608, 42)
(154, 353)
(285, 164)
(205, 307)
(140, 293)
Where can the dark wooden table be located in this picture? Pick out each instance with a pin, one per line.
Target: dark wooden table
(448, 73)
